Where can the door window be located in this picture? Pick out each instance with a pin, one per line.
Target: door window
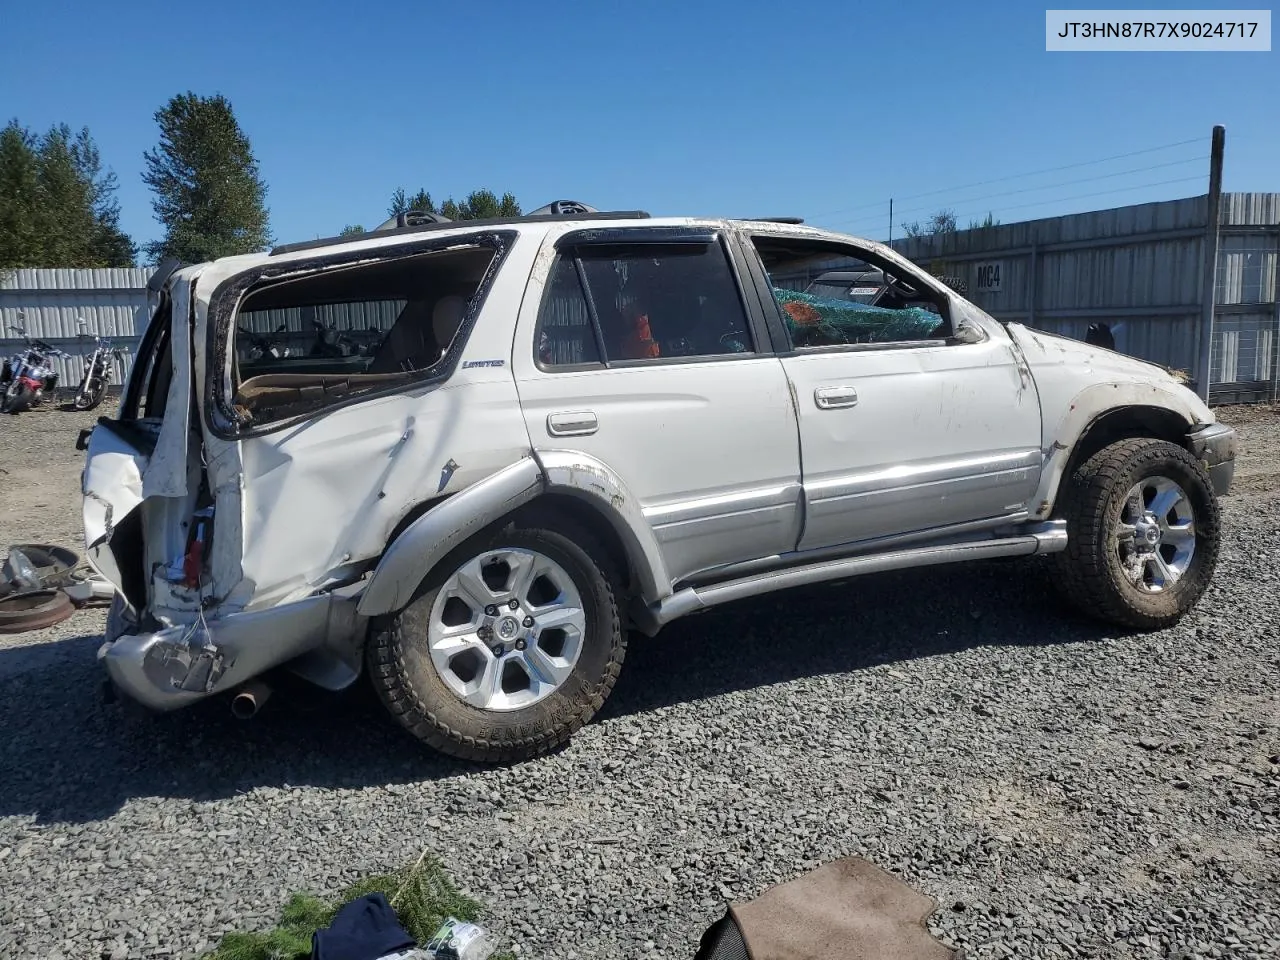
(641, 303)
(831, 297)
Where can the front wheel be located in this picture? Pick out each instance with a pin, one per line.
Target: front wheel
(1142, 534)
(509, 647)
(90, 393)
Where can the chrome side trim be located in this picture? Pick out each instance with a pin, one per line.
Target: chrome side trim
(892, 479)
(1042, 538)
(729, 504)
(950, 534)
(429, 538)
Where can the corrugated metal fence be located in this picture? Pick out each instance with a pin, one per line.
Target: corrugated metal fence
(1138, 269)
(112, 302)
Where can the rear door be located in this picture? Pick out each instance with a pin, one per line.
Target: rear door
(905, 428)
(639, 353)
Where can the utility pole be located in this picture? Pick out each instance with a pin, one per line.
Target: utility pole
(891, 219)
(1209, 285)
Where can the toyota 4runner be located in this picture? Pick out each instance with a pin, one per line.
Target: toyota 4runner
(478, 456)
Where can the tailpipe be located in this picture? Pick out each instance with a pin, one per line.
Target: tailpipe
(249, 699)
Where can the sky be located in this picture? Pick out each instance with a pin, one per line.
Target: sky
(702, 107)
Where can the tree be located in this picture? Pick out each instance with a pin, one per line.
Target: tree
(57, 206)
(990, 221)
(351, 229)
(479, 205)
(944, 221)
(208, 194)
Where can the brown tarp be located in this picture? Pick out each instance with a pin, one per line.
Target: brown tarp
(846, 910)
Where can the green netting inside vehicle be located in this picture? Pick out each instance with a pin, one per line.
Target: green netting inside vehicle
(819, 321)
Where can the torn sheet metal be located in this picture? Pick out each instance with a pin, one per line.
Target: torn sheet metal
(166, 473)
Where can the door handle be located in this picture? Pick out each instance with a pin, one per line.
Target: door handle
(829, 398)
(579, 423)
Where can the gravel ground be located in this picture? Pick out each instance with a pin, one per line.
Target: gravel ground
(1061, 790)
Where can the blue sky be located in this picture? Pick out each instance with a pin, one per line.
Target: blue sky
(820, 110)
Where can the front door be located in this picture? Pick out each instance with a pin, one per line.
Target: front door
(639, 353)
(904, 427)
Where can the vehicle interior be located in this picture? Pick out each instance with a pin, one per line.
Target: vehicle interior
(818, 314)
(350, 329)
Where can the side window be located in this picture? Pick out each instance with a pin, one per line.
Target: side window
(641, 302)
(301, 342)
(830, 297)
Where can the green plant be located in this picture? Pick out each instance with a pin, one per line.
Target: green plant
(423, 895)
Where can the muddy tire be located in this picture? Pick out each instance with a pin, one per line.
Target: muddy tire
(15, 398)
(508, 648)
(1143, 534)
(33, 611)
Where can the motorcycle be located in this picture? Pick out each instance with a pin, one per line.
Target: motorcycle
(261, 347)
(28, 375)
(98, 369)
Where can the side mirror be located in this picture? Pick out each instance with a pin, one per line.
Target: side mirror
(968, 333)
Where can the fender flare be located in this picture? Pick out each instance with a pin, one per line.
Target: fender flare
(1089, 406)
(431, 537)
(586, 478)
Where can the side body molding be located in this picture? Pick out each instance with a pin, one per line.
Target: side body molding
(427, 540)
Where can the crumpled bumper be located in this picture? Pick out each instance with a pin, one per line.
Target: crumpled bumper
(1215, 446)
(179, 665)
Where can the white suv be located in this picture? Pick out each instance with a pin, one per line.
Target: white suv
(471, 458)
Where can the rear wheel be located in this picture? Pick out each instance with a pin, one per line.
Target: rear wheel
(509, 647)
(1142, 534)
(16, 398)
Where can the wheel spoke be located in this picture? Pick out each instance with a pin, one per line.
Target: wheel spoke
(1124, 532)
(472, 588)
(1168, 495)
(524, 570)
(1178, 535)
(487, 687)
(453, 642)
(551, 617)
(1134, 503)
(545, 668)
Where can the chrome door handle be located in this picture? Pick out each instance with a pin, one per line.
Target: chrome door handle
(579, 423)
(828, 398)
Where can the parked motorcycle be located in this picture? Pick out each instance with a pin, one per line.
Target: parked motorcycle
(261, 347)
(28, 375)
(98, 369)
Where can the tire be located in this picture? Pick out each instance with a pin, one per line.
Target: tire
(1120, 575)
(16, 398)
(407, 661)
(33, 611)
(89, 395)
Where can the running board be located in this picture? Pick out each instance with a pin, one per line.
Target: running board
(1049, 537)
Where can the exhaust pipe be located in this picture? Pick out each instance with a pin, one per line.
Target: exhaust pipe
(249, 699)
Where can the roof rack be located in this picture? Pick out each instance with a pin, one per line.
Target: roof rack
(793, 220)
(417, 222)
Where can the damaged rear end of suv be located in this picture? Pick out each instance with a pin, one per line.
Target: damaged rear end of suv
(241, 497)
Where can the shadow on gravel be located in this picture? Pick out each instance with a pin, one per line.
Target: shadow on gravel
(67, 756)
(844, 627)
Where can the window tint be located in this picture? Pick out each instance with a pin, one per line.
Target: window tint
(651, 302)
(829, 297)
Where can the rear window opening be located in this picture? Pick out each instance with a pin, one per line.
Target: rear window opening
(300, 344)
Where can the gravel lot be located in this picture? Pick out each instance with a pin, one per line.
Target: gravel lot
(1061, 790)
